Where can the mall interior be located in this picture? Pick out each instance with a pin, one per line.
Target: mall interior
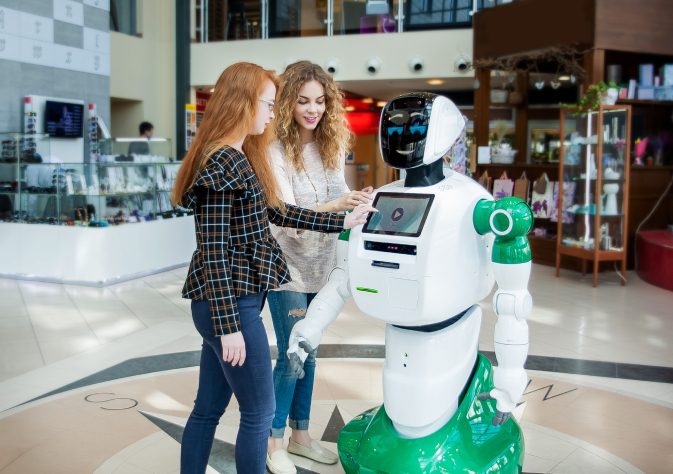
(569, 106)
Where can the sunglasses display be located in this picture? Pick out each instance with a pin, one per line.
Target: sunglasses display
(118, 189)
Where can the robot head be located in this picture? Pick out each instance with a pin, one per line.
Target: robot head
(418, 129)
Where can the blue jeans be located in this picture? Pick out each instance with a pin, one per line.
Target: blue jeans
(251, 384)
(293, 396)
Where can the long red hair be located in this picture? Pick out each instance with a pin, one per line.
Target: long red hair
(229, 116)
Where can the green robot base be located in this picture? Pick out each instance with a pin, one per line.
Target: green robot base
(468, 443)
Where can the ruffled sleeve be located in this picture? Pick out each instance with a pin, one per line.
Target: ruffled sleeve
(224, 172)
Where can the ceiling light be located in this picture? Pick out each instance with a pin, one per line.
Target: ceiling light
(435, 82)
(350, 108)
(564, 78)
(367, 100)
(212, 89)
(381, 103)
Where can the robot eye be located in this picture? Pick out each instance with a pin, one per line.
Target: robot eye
(418, 129)
(395, 130)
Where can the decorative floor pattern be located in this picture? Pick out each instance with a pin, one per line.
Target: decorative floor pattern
(101, 380)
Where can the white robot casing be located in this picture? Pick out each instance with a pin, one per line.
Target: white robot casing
(449, 271)
(446, 270)
(420, 265)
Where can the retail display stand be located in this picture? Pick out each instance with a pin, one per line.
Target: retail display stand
(93, 223)
(593, 187)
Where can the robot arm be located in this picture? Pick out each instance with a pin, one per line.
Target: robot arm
(323, 310)
(510, 219)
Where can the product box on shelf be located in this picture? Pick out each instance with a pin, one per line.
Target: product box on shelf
(646, 93)
(663, 93)
(667, 75)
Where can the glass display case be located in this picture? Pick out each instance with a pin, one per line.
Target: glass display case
(592, 193)
(16, 151)
(545, 145)
(121, 187)
(136, 149)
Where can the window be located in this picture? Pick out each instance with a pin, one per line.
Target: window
(123, 16)
(432, 14)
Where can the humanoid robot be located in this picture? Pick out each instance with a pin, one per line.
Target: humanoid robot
(421, 263)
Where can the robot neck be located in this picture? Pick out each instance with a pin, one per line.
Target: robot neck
(424, 175)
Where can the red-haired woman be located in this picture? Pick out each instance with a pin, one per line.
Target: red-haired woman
(227, 179)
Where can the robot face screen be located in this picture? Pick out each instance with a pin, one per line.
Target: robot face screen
(404, 129)
(399, 214)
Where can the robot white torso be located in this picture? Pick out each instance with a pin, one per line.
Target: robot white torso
(419, 260)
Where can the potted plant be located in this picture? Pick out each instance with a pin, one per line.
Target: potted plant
(597, 94)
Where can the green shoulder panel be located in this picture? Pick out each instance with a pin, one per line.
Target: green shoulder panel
(510, 219)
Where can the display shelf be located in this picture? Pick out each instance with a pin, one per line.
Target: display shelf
(593, 194)
(653, 103)
(48, 191)
(521, 166)
(80, 207)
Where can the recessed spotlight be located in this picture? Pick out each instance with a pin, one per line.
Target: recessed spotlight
(381, 103)
(350, 108)
(435, 82)
(367, 100)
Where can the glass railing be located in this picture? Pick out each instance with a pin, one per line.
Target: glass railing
(228, 20)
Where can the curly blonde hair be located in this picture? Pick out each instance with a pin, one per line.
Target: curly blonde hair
(332, 134)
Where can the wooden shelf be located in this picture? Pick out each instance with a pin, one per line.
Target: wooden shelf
(542, 166)
(653, 103)
(648, 168)
(588, 254)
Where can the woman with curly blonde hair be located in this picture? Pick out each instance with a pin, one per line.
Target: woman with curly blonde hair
(308, 160)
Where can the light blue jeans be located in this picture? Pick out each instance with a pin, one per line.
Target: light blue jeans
(293, 396)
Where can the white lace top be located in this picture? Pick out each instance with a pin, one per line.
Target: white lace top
(310, 255)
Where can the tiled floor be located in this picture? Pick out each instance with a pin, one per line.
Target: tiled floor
(53, 335)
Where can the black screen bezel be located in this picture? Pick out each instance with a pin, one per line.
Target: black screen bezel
(56, 104)
(430, 198)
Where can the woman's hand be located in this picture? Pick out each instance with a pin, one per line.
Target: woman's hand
(352, 199)
(358, 216)
(233, 348)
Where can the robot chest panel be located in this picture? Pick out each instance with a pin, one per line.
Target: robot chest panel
(406, 279)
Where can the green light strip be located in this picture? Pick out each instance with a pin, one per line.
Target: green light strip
(367, 290)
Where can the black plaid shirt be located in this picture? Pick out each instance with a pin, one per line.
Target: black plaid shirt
(236, 254)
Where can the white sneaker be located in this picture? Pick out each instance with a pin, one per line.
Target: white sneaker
(280, 463)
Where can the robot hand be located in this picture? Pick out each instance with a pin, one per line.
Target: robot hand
(502, 399)
(297, 353)
(304, 339)
(508, 391)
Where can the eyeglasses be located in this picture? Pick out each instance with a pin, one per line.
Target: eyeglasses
(270, 103)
